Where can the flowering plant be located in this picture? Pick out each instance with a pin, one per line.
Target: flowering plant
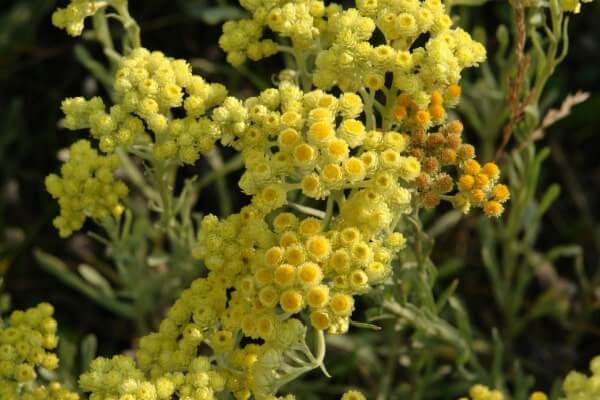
(340, 159)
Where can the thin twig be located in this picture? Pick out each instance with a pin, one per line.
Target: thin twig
(515, 105)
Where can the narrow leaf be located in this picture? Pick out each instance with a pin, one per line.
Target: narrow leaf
(94, 278)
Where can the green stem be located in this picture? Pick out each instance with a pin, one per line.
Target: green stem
(305, 79)
(368, 99)
(100, 25)
(233, 164)
(163, 181)
(130, 25)
(136, 177)
(390, 369)
(96, 69)
(329, 210)
(552, 60)
(308, 210)
(390, 102)
(102, 32)
(215, 160)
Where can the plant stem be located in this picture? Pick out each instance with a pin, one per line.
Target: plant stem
(234, 163)
(130, 25)
(96, 69)
(368, 99)
(136, 177)
(215, 160)
(329, 210)
(305, 78)
(162, 172)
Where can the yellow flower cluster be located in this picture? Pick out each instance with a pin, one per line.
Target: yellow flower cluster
(353, 395)
(248, 309)
(315, 142)
(168, 357)
(341, 40)
(482, 392)
(201, 319)
(25, 345)
(272, 272)
(578, 386)
(276, 275)
(243, 39)
(319, 143)
(478, 187)
(72, 17)
(296, 265)
(148, 88)
(52, 391)
(352, 62)
(442, 149)
(295, 20)
(119, 378)
(573, 6)
(409, 115)
(270, 269)
(86, 188)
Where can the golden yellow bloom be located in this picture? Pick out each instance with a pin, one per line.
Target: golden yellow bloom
(268, 296)
(341, 304)
(481, 181)
(291, 301)
(471, 167)
(353, 395)
(284, 220)
(285, 275)
(399, 112)
(491, 170)
(288, 138)
(295, 254)
(454, 90)
(311, 186)
(304, 153)
(309, 227)
(318, 247)
(309, 274)
(321, 132)
(422, 118)
(538, 396)
(273, 256)
(477, 196)
(501, 193)
(493, 208)
(320, 320)
(340, 261)
(317, 296)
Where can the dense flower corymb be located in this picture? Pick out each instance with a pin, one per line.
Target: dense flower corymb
(148, 87)
(87, 188)
(281, 269)
(26, 344)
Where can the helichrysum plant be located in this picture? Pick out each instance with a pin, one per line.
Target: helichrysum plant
(341, 158)
(27, 343)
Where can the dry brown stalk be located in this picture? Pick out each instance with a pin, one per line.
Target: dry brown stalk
(515, 104)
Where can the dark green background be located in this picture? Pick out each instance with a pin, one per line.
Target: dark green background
(38, 69)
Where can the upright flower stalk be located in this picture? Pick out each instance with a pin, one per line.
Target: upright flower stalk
(338, 159)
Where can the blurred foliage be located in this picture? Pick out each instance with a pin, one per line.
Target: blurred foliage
(560, 243)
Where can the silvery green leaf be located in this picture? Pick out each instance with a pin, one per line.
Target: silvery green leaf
(94, 278)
